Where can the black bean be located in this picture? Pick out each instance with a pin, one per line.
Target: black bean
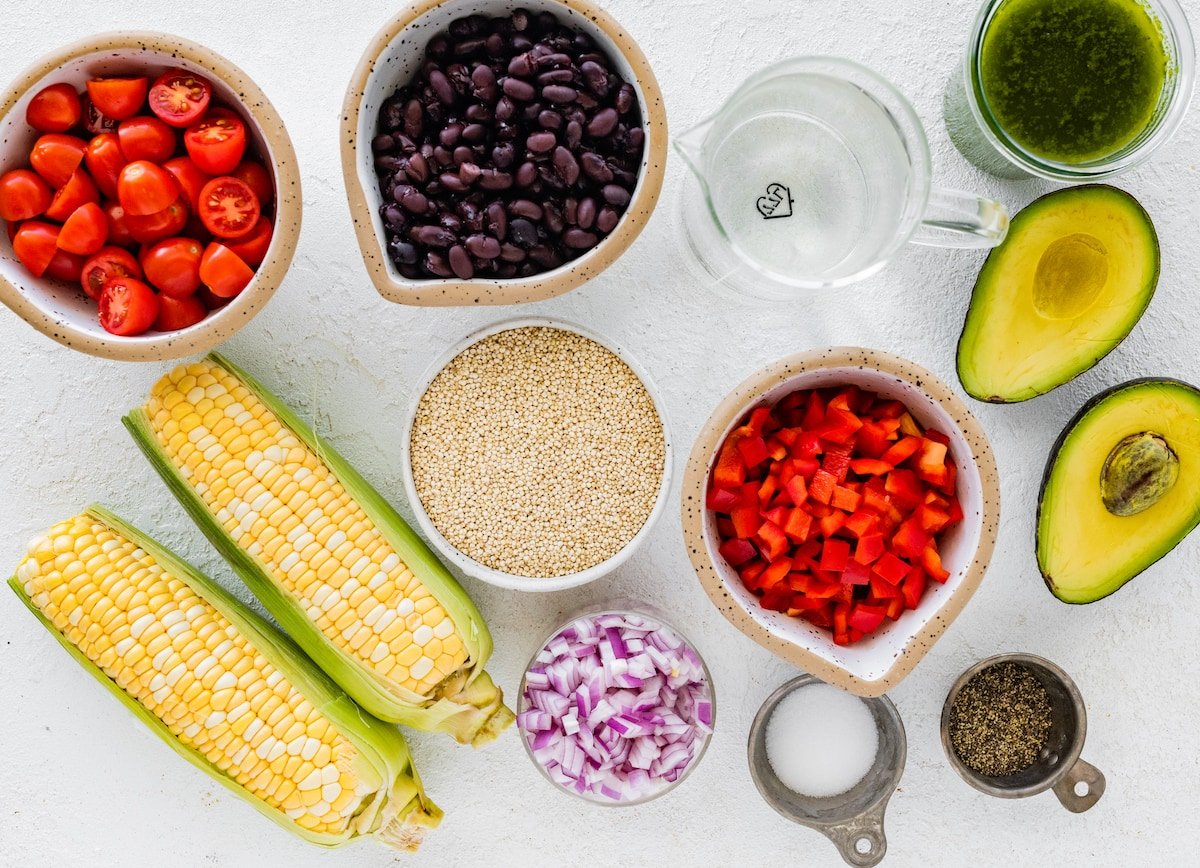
(483, 247)
(495, 179)
(450, 222)
(578, 239)
(625, 98)
(443, 156)
(586, 101)
(431, 236)
(391, 114)
(450, 134)
(607, 219)
(541, 143)
(595, 77)
(436, 263)
(522, 232)
(474, 133)
(497, 220)
(388, 164)
(414, 119)
(522, 91)
(417, 168)
(526, 208)
(585, 214)
(603, 122)
(471, 214)
(505, 109)
(402, 251)
(441, 87)
(526, 174)
(519, 43)
(636, 138)
(520, 19)
(451, 181)
(382, 144)
(545, 256)
(439, 46)
(556, 76)
(503, 155)
(574, 134)
(506, 270)
(479, 113)
(550, 120)
(460, 262)
(512, 253)
(553, 61)
(559, 93)
(469, 173)
(521, 65)
(595, 167)
(615, 194)
(468, 25)
(566, 166)
(552, 218)
(494, 44)
(467, 47)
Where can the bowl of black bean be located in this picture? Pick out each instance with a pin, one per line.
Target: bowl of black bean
(499, 152)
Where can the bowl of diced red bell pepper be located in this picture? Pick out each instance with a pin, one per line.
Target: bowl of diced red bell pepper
(840, 507)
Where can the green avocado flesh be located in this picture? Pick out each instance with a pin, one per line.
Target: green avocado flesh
(1138, 446)
(1073, 277)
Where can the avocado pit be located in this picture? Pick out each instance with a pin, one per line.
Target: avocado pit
(1137, 473)
(1069, 276)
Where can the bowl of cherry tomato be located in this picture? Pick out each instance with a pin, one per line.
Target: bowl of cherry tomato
(150, 194)
(840, 507)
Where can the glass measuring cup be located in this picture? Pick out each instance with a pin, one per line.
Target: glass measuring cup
(811, 176)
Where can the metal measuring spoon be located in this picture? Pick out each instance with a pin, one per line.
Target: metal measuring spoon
(853, 820)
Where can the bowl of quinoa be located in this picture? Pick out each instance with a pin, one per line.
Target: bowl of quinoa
(536, 455)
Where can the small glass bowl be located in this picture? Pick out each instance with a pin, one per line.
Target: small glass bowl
(650, 614)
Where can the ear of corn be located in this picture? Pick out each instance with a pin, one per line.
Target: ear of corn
(219, 685)
(332, 561)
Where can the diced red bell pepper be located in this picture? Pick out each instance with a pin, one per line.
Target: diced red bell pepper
(840, 425)
(931, 562)
(910, 540)
(882, 590)
(775, 572)
(870, 467)
(772, 541)
(753, 450)
(932, 520)
(806, 467)
(841, 633)
(776, 449)
(799, 581)
(746, 518)
(808, 445)
(737, 551)
(814, 411)
(902, 450)
(777, 516)
(870, 548)
(845, 498)
(797, 490)
(721, 500)
(955, 510)
(725, 527)
(835, 554)
(822, 617)
(947, 486)
(856, 573)
(787, 436)
(768, 488)
(895, 607)
(866, 618)
(909, 426)
(758, 421)
(837, 462)
(872, 440)
(913, 587)
(937, 437)
(751, 573)
(904, 487)
(821, 487)
(831, 523)
(860, 522)
(891, 569)
(730, 471)
(798, 525)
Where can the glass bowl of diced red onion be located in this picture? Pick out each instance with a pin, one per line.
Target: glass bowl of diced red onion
(616, 707)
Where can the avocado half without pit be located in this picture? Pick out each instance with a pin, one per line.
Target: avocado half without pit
(1122, 488)
(1071, 280)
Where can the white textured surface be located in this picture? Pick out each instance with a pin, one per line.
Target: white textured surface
(81, 783)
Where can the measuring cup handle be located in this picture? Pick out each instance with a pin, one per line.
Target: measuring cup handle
(1085, 773)
(954, 219)
(866, 827)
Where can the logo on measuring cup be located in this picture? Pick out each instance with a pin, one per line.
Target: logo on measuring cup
(777, 203)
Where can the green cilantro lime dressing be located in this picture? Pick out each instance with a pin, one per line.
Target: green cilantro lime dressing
(1073, 80)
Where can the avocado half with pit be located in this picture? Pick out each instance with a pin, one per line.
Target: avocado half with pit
(1071, 280)
(1122, 488)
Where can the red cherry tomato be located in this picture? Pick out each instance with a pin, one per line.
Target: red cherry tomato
(210, 299)
(257, 178)
(149, 228)
(23, 194)
(180, 97)
(173, 266)
(65, 266)
(127, 306)
(118, 224)
(56, 157)
(228, 207)
(105, 160)
(146, 138)
(110, 262)
(252, 247)
(216, 143)
(145, 188)
(35, 244)
(189, 178)
(223, 271)
(85, 231)
(179, 313)
(117, 98)
(78, 191)
(95, 122)
(54, 109)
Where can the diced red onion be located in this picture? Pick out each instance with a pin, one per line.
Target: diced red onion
(616, 707)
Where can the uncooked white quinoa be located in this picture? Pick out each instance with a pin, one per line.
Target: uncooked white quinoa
(537, 452)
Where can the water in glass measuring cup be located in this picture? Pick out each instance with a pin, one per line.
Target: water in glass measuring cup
(808, 176)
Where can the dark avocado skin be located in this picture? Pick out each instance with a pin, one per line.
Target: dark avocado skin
(994, 399)
(1054, 450)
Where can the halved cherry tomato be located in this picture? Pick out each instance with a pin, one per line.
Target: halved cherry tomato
(127, 306)
(180, 97)
(65, 266)
(257, 178)
(145, 188)
(78, 191)
(23, 194)
(149, 228)
(117, 98)
(35, 244)
(179, 313)
(110, 262)
(93, 120)
(105, 160)
(56, 157)
(216, 142)
(118, 224)
(173, 266)
(85, 231)
(146, 138)
(228, 207)
(190, 179)
(252, 247)
(210, 299)
(54, 109)
(223, 271)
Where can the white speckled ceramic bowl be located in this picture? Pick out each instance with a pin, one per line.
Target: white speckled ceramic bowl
(61, 310)
(390, 62)
(874, 665)
(469, 565)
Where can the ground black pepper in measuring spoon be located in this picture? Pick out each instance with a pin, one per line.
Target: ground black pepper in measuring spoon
(1000, 720)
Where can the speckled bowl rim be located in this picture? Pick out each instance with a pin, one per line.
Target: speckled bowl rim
(220, 324)
(454, 292)
(695, 480)
(482, 571)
